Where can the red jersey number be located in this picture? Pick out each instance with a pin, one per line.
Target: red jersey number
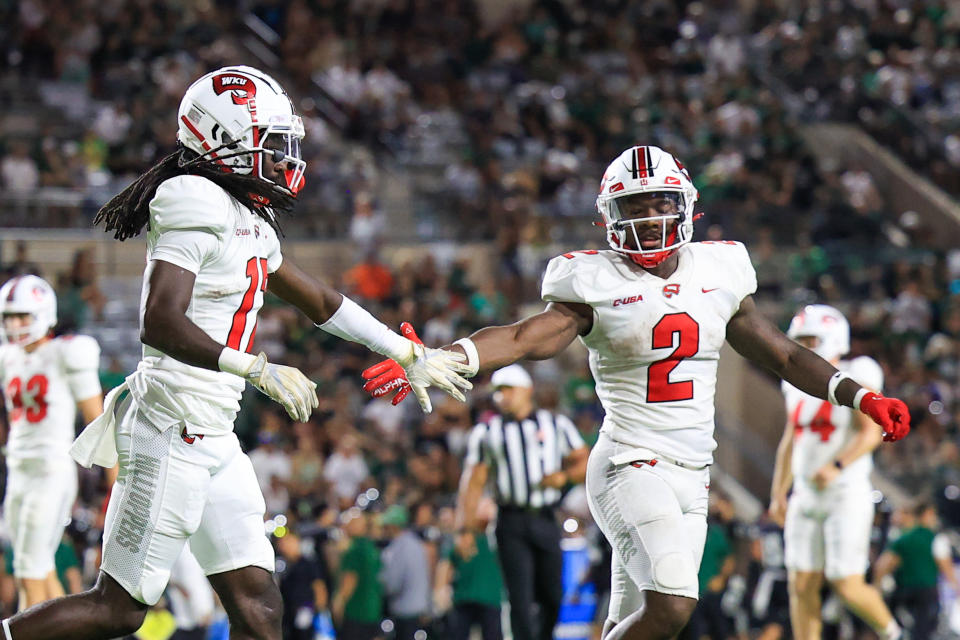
(821, 423)
(35, 408)
(257, 273)
(659, 386)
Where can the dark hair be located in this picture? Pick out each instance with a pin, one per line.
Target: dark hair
(921, 508)
(129, 211)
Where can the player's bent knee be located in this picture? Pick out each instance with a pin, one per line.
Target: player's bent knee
(126, 623)
(802, 583)
(847, 586)
(674, 570)
(669, 614)
(260, 616)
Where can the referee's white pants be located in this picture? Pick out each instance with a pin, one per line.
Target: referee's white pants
(655, 518)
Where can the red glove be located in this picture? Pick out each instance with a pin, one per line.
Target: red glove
(889, 413)
(387, 375)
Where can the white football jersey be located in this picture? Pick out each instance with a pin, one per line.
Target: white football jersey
(821, 430)
(41, 389)
(655, 343)
(197, 226)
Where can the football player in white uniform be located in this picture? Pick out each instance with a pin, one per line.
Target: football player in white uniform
(212, 209)
(654, 312)
(826, 454)
(44, 380)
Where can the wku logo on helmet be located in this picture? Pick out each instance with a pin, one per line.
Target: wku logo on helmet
(242, 87)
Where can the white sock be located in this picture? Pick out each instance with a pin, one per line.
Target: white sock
(6, 629)
(892, 632)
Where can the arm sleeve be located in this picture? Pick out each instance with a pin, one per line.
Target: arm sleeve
(81, 357)
(941, 547)
(188, 217)
(475, 450)
(567, 435)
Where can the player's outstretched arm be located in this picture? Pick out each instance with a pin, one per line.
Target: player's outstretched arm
(537, 337)
(757, 339)
(337, 314)
(167, 328)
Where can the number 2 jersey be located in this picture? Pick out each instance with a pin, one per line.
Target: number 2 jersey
(821, 430)
(41, 389)
(655, 343)
(196, 225)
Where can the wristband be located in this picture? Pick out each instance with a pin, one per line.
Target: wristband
(235, 362)
(832, 385)
(838, 464)
(473, 356)
(354, 323)
(857, 399)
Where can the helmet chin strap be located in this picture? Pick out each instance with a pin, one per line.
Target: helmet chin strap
(651, 260)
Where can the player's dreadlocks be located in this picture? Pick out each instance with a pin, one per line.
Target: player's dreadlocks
(129, 211)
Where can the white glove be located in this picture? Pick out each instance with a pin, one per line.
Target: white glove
(286, 385)
(427, 367)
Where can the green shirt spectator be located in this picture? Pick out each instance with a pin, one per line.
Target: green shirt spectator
(918, 568)
(476, 577)
(716, 550)
(366, 602)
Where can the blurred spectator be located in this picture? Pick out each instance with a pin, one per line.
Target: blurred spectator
(358, 602)
(770, 604)
(716, 567)
(405, 574)
(303, 586)
(18, 170)
(191, 598)
(79, 298)
(306, 465)
(21, 264)
(346, 470)
(369, 279)
(470, 563)
(917, 559)
(270, 462)
(367, 224)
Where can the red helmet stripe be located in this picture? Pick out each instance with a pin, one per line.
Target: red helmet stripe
(642, 154)
(13, 288)
(203, 141)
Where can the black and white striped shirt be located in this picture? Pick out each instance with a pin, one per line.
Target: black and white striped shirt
(520, 454)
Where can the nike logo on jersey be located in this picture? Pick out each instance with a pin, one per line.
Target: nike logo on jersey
(705, 290)
(619, 302)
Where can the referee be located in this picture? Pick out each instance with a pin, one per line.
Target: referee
(530, 455)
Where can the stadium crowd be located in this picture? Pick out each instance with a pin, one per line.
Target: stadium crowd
(501, 127)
